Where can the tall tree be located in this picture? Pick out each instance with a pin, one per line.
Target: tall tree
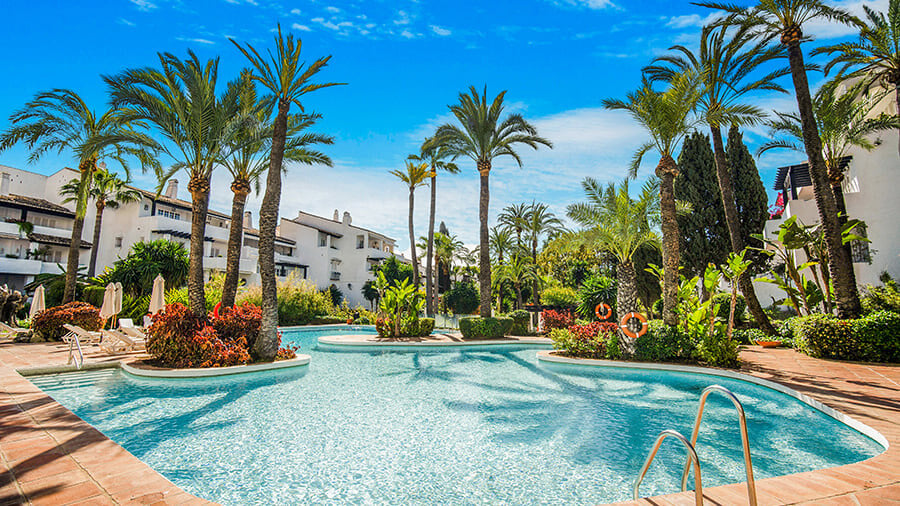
(617, 223)
(501, 244)
(179, 100)
(415, 175)
(540, 222)
(437, 156)
(288, 78)
(60, 121)
(704, 233)
(725, 64)
(518, 271)
(784, 19)
(875, 57)
(666, 116)
(515, 218)
(446, 250)
(108, 191)
(483, 135)
(750, 194)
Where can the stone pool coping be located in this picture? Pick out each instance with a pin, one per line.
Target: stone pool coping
(50, 456)
(437, 340)
(212, 372)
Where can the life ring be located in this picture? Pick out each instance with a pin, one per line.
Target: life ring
(216, 310)
(627, 330)
(607, 313)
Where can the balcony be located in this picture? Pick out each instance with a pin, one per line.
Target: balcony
(335, 276)
(163, 223)
(27, 267)
(247, 266)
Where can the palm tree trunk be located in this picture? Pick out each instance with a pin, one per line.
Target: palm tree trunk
(667, 170)
(500, 282)
(626, 291)
(429, 254)
(484, 253)
(72, 260)
(235, 240)
(519, 300)
(266, 345)
(733, 221)
(95, 242)
(199, 188)
(897, 100)
(412, 238)
(535, 297)
(840, 263)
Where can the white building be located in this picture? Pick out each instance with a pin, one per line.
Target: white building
(324, 251)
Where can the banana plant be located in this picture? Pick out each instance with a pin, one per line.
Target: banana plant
(733, 269)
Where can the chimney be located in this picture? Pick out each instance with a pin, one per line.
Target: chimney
(347, 218)
(4, 184)
(172, 189)
(248, 219)
(335, 216)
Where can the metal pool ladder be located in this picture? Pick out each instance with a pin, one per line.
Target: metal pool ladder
(692, 453)
(75, 345)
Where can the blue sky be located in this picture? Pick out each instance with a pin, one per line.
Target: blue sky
(404, 61)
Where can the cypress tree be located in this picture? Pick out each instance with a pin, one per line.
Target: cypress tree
(704, 234)
(749, 193)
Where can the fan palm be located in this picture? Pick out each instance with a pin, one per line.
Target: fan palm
(620, 225)
(725, 64)
(437, 156)
(415, 175)
(784, 19)
(59, 120)
(179, 100)
(875, 57)
(108, 191)
(288, 78)
(483, 135)
(666, 116)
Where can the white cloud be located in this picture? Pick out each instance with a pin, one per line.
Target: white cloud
(144, 5)
(332, 9)
(443, 32)
(402, 18)
(824, 29)
(295, 12)
(691, 20)
(302, 28)
(590, 4)
(126, 22)
(408, 34)
(195, 39)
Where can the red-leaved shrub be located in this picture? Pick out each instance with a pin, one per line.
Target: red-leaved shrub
(49, 323)
(593, 329)
(239, 321)
(553, 319)
(178, 338)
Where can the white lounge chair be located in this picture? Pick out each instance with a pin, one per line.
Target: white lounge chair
(84, 336)
(11, 332)
(117, 342)
(126, 322)
(134, 333)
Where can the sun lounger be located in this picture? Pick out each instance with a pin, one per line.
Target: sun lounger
(117, 342)
(83, 336)
(134, 333)
(125, 322)
(11, 332)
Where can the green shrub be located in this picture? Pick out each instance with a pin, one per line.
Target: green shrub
(595, 290)
(48, 324)
(324, 320)
(521, 322)
(614, 349)
(212, 293)
(787, 330)
(562, 296)
(881, 298)
(878, 336)
(476, 327)
(409, 327)
(724, 301)
(824, 336)
(662, 343)
(718, 350)
(463, 298)
(299, 301)
(426, 326)
(585, 341)
(751, 336)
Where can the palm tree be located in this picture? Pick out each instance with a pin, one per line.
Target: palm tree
(288, 78)
(436, 155)
(179, 100)
(515, 218)
(248, 161)
(539, 222)
(620, 225)
(415, 175)
(446, 250)
(59, 120)
(785, 19)
(501, 243)
(875, 57)
(667, 118)
(724, 66)
(483, 136)
(107, 190)
(518, 271)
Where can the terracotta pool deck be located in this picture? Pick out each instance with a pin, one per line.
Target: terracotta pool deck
(50, 456)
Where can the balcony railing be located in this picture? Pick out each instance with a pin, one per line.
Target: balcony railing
(335, 276)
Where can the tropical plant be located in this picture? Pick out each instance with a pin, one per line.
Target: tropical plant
(540, 223)
(619, 224)
(596, 290)
(438, 158)
(398, 302)
(370, 293)
(666, 116)
(483, 135)
(288, 78)
(518, 271)
(733, 269)
(501, 243)
(60, 120)
(144, 262)
(515, 218)
(179, 100)
(446, 250)
(784, 19)
(415, 175)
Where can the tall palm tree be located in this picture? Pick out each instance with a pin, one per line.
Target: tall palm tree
(249, 158)
(666, 115)
(288, 78)
(483, 135)
(501, 243)
(515, 218)
(620, 225)
(540, 222)
(436, 155)
(108, 191)
(875, 57)
(415, 175)
(518, 271)
(179, 100)
(724, 64)
(59, 120)
(446, 250)
(769, 19)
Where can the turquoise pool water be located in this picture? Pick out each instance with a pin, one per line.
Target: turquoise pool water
(451, 426)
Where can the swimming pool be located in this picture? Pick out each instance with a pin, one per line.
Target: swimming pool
(464, 425)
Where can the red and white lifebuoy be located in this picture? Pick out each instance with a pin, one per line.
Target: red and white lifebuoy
(626, 328)
(607, 311)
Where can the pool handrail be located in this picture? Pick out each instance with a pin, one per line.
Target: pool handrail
(691, 456)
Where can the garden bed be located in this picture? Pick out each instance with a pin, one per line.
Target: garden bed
(146, 368)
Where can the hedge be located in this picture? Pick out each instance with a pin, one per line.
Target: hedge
(476, 327)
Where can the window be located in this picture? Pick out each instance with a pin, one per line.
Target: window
(859, 250)
(57, 256)
(119, 241)
(323, 239)
(360, 242)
